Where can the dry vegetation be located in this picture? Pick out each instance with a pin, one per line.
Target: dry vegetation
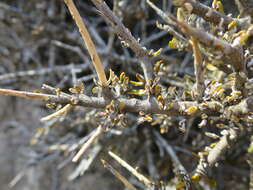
(162, 85)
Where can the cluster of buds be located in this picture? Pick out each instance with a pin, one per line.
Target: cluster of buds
(112, 116)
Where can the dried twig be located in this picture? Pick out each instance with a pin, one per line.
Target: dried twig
(250, 162)
(130, 105)
(199, 68)
(165, 109)
(58, 113)
(86, 145)
(233, 54)
(118, 175)
(140, 177)
(119, 28)
(251, 177)
(153, 172)
(240, 109)
(28, 95)
(17, 178)
(88, 42)
(165, 17)
(85, 163)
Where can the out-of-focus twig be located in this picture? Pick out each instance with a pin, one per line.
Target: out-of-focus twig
(250, 162)
(58, 113)
(85, 163)
(118, 175)
(245, 7)
(28, 95)
(41, 71)
(139, 176)
(199, 68)
(177, 164)
(204, 11)
(87, 144)
(215, 154)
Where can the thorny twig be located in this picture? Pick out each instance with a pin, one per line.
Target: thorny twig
(126, 36)
(130, 105)
(136, 105)
(233, 52)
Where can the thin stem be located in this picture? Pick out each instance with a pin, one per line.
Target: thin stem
(58, 113)
(27, 95)
(125, 35)
(88, 42)
(198, 67)
(86, 145)
(118, 175)
(140, 177)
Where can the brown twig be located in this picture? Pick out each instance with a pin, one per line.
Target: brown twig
(29, 95)
(204, 11)
(198, 67)
(119, 28)
(123, 163)
(125, 35)
(88, 42)
(118, 175)
(58, 113)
